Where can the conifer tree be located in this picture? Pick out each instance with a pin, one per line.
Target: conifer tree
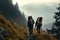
(56, 25)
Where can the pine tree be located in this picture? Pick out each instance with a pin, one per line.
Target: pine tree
(56, 25)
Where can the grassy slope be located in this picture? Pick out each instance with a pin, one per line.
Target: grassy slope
(15, 31)
(43, 36)
(19, 32)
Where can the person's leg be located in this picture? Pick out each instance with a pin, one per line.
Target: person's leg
(29, 32)
(32, 31)
(37, 29)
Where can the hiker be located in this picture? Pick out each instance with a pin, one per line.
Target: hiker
(38, 24)
(30, 25)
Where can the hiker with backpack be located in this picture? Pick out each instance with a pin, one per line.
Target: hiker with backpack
(30, 25)
(38, 24)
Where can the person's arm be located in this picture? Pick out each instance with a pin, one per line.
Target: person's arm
(33, 22)
(27, 23)
(36, 24)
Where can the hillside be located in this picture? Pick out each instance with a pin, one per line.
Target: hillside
(16, 32)
(43, 36)
(12, 12)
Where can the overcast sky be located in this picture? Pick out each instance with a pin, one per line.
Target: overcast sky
(24, 2)
(44, 8)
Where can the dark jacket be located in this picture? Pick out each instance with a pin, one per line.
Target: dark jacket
(30, 25)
